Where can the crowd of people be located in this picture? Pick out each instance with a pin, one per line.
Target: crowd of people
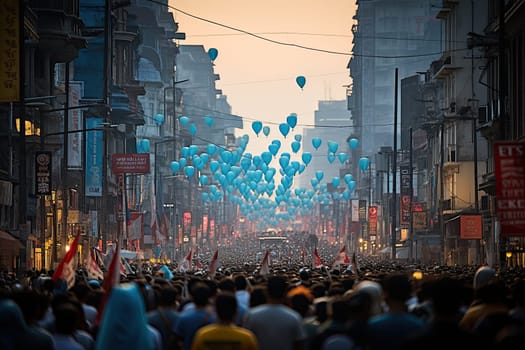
(367, 304)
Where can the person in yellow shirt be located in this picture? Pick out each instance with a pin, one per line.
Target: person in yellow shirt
(224, 334)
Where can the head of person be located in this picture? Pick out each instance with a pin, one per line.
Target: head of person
(483, 276)
(276, 287)
(375, 291)
(241, 283)
(226, 306)
(124, 324)
(200, 293)
(258, 296)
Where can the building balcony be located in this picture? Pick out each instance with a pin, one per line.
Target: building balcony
(444, 66)
(59, 28)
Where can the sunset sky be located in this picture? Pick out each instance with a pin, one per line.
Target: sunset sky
(258, 76)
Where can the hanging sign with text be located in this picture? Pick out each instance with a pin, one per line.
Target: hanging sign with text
(509, 165)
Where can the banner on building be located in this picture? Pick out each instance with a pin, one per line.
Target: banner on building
(509, 162)
(362, 210)
(43, 168)
(405, 195)
(10, 48)
(355, 210)
(130, 163)
(94, 158)
(470, 227)
(372, 220)
(75, 124)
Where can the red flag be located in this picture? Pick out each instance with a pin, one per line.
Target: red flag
(93, 269)
(185, 265)
(111, 279)
(198, 265)
(265, 265)
(66, 268)
(317, 260)
(213, 264)
(342, 257)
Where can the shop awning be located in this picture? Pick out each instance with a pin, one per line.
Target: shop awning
(8, 242)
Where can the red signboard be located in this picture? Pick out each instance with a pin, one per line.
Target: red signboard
(509, 165)
(372, 220)
(470, 227)
(132, 163)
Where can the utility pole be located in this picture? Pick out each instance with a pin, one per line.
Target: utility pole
(394, 172)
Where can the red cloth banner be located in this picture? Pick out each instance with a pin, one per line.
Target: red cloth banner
(509, 165)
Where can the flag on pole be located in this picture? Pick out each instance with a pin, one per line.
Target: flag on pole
(317, 260)
(185, 264)
(265, 265)
(213, 264)
(66, 269)
(111, 280)
(93, 269)
(341, 258)
(167, 272)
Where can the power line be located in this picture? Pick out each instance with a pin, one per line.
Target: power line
(282, 43)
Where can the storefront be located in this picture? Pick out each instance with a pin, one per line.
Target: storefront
(10, 252)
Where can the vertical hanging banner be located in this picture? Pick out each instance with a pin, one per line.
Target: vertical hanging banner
(94, 158)
(362, 210)
(355, 210)
(509, 165)
(10, 48)
(372, 220)
(405, 195)
(74, 140)
(43, 173)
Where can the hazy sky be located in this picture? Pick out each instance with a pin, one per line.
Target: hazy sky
(258, 76)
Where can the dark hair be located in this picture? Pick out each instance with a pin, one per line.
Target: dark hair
(398, 287)
(200, 293)
(226, 284)
(240, 282)
(226, 306)
(167, 295)
(277, 287)
(258, 296)
(66, 318)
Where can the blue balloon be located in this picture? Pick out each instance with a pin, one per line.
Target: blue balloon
(211, 149)
(284, 129)
(193, 150)
(266, 130)
(184, 120)
(284, 161)
(348, 178)
(292, 120)
(175, 166)
(205, 196)
(306, 157)
(351, 185)
(342, 157)
(193, 129)
(364, 163)
(182, 162)
(353, 143)
(189, 171)
(296, 146)
(331, 157)
(214, 166)
(301, 81)
(336, 181)
(332, 146)
(208, 120)
(298, 138)
(273, 148)
(319, 174)
(213, 53)
(266, 157)
(316, 142)
(159, 119)
(185, 151)
(256, 127)
(203, 179)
